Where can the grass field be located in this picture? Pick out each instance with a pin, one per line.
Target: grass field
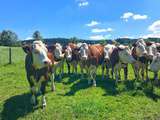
(73, 98)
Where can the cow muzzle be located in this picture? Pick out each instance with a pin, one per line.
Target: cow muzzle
(47, 63)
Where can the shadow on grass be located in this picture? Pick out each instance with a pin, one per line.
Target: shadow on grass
(110, 87)
(16, 107)
(72, 78)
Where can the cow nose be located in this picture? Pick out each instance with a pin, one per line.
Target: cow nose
(106, 60)
(145, 54)
(84, 58)
(47, 62)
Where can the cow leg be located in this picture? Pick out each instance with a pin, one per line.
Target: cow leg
(33, 89)
(142, 73)
(60, 71)
(136, 71)
(62, 68)
(92, 71)
(107, 71)
(112, 72)
(88, 75)
(125, 71)
(43, 88)
(68, 66)
(103, 71)
(117, 72)
(33, 98)
(75, 66)
(82, 72)
(52, 82)
(156, 78)
(147, 78)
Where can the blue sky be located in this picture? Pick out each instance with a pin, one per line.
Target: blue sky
(87, 19)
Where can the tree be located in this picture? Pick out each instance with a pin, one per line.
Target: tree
(37, 36)
(73, 40)
(8, 38)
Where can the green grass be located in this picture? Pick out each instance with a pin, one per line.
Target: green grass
(74, 99)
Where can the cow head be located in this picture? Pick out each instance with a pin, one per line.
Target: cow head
(39, 54)
(68, 53)
(58, 51)
(107, 51)
(155, 65)
(140, 48)
(152, 50)
(84, 51)
(125, 54)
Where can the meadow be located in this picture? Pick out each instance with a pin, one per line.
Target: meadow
(74, 99)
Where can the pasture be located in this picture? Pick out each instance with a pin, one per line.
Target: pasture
(74, 99)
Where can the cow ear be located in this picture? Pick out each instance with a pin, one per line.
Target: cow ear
(51, 48)
(134, 44)
(27, 48)
(119, 48)
(149, 43)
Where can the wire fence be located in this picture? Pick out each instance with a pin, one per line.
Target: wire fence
(11, 55)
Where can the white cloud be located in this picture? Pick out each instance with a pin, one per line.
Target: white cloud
(93, 23)
(98, 30)
(99, 37)
(152, 35)
(128, 15)
(155, 27)
(126, 36)
(28, 38)
(83, 3)
(140, 17)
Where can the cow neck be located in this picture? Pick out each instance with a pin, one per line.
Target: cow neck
(56, 59)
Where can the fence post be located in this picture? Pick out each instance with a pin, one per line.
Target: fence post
(10, 55)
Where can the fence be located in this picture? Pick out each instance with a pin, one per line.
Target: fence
(11, 55)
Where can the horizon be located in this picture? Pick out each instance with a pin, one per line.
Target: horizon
(84, 19)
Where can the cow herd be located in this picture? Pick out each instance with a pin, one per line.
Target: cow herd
(42, 62)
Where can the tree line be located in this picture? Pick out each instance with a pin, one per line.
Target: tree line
(10, 38)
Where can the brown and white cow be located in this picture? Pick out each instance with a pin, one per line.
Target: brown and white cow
(90, 57)
(143, 52)
(155, 66)
(108, 49)
(57, 52)
(119, 58)
(72, 57)
(38, 66)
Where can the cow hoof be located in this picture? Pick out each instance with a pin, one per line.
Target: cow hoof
(53, 89)
(94, 85)
(107, 77)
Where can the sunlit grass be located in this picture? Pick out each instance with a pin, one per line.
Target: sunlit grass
(74, 98)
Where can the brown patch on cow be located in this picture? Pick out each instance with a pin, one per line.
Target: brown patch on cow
(96, 53)
(51, 48)
(149, 43)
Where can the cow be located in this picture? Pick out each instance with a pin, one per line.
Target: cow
(143, 52)
(119, 58)
(108, 49)
(90, 57)
(155, 66)
(38, 66)
(58, 54)
(72, 57)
